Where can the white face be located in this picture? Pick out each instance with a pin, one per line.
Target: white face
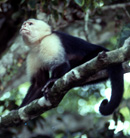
(34, 30)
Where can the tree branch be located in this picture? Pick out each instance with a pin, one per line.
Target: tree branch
(75, 77)
(116, 6)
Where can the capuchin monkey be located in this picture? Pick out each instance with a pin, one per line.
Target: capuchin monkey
(53, 53)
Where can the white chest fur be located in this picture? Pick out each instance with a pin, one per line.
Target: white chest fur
(47, 55)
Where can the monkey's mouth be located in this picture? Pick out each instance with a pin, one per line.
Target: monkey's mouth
(22, 30)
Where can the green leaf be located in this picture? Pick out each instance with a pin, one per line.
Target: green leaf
(32, 4)
(80, 2)
(3, 1)
(22, 1)
(125, 33)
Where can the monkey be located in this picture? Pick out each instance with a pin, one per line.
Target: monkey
(54, 53)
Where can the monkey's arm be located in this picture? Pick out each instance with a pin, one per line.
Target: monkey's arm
(37, 82)
(30, 92)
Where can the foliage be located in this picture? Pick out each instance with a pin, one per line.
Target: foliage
(76, 116)
(125, 33)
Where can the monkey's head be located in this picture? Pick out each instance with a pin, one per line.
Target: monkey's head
(33, 31)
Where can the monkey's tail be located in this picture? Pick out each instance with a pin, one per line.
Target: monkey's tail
(117, 84)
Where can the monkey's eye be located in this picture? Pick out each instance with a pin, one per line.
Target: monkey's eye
(30, 23)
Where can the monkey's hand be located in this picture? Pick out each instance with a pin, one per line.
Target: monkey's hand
(48, 85)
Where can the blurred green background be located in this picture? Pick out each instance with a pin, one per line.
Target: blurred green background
(105, 23)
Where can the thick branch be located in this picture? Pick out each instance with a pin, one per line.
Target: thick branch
(75, 77)
(103, 74)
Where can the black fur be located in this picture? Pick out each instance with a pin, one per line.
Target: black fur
(77, 52)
